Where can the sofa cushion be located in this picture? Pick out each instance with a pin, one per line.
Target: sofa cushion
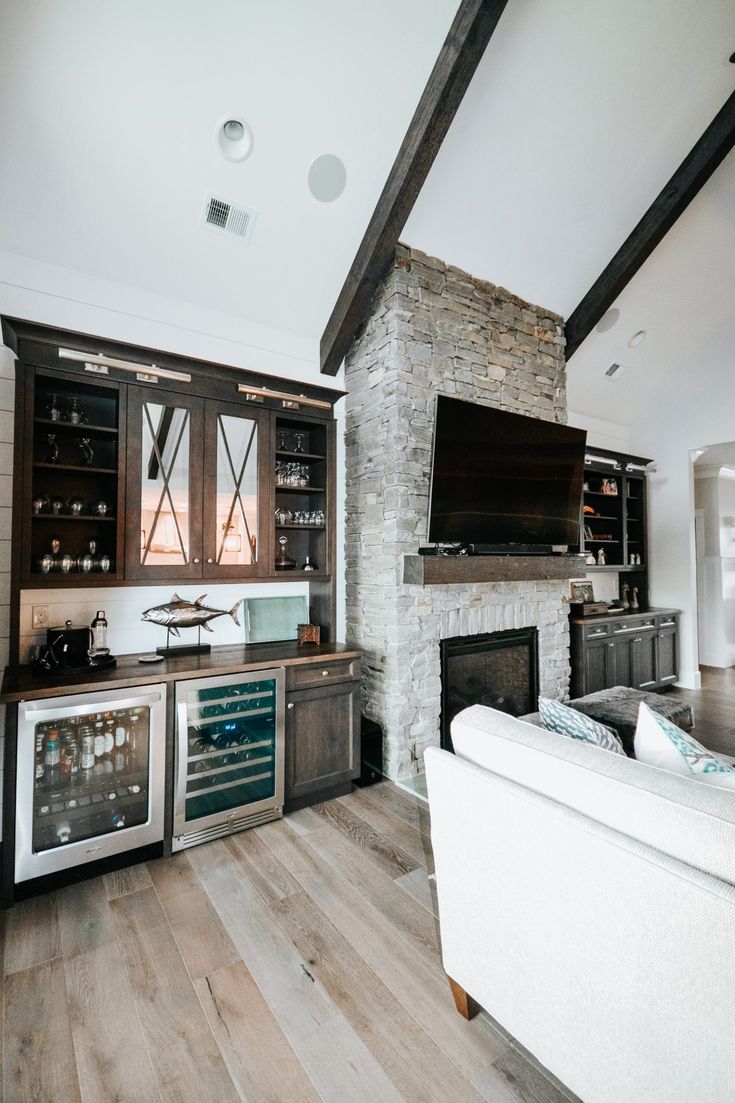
(675, 814)
(557, 717)
(660, 743)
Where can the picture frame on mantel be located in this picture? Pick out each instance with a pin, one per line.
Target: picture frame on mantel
(581, 592)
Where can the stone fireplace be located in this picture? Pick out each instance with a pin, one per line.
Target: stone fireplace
(435, 329)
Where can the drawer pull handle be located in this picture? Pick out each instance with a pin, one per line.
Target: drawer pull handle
(289, 705)
(668, 623)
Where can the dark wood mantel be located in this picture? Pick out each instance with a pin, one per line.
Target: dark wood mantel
(439, 570)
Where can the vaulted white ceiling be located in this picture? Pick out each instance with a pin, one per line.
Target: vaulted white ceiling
(578, 114)
(108, 114)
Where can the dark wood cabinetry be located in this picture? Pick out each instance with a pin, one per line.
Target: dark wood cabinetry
(322, 742)
(637, 650)
(174, 469)
(613, 525)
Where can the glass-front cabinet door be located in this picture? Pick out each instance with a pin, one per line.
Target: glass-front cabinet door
(164, 485)
(229, 754)
(235, 512)
(90, 777)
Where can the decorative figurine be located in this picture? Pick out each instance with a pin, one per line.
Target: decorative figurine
(635, 603)
(601, 561)
(284, 562)
(85, 447)
(52, 455)
(308, 565)
(625, 604)
(180, 613)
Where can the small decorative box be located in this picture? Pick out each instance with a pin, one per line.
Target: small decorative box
(309, 633)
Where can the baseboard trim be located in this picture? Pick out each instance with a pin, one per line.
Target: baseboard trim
(689, 679)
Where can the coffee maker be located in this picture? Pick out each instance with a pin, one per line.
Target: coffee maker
(74, 650)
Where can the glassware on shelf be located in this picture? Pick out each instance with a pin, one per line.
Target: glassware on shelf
(298, 442)
(75, 413)
(101, 507)
(76, 507)
(284, 562)
(308, 564)
(40, 504)
(52, 452)
(57, 505)
(86, 451)
(283, 516)
(67, 563)
(53, 410)
(282, 440)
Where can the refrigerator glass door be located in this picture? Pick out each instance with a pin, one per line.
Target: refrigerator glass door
(90, 777)
(229, 753)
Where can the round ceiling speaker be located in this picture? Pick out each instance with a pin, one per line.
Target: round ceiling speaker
(234, 138)
(327, 178)
(607, 321)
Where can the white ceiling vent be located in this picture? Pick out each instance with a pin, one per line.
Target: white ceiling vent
(225, 217)
(615, 371)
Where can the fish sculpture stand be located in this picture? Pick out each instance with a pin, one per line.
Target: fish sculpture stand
(179, 613)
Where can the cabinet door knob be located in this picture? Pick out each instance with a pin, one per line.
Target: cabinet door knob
(196, 559)
(325, 674)
(611, 645)
(289, 705)
(209, 559)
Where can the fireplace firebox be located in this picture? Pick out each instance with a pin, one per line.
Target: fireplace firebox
(498, 669)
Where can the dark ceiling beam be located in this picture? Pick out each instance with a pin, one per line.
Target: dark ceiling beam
(460, 55)
(691, 175)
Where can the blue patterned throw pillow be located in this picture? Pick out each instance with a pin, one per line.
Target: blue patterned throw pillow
(567, 721)
(660, 743)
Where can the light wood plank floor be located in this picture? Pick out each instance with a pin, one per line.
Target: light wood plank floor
(298, 961)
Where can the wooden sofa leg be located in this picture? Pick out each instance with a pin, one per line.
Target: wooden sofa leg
(466, 1006)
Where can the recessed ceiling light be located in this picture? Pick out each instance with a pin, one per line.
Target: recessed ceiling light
(637, 339)
(607, 321)
(327, 178)
(234, 138)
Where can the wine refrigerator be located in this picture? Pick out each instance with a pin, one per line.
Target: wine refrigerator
(90, 777)
(229, 754)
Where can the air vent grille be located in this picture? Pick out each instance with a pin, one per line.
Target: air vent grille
(223, 216)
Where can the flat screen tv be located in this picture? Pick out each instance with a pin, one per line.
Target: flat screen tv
(499, 478)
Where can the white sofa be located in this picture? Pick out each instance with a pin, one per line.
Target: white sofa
(586, 901)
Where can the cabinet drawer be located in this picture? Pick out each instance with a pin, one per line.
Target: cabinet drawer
(644, 624)
(305, 676)
(596, 631)
(667, 620)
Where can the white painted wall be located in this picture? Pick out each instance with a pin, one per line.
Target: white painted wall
(714, 496)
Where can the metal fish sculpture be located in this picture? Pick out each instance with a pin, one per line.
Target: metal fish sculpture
(180, 613)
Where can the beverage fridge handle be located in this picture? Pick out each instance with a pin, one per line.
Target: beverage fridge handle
(50, 709)
(182, 758)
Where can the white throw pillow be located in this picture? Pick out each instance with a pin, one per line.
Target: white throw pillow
(660, 743)
(567, 721)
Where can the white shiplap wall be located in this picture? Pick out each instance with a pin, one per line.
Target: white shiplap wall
(7, 405)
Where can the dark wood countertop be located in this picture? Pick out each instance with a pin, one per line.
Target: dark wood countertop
(652, 612)
(25, 683)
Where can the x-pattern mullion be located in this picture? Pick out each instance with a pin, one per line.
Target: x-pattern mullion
(236, 497)
(166, 474)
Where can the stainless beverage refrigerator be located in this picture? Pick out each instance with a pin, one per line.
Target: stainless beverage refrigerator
(90, 777)
(229, 754)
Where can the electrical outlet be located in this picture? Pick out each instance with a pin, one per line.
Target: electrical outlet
(40, 616)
